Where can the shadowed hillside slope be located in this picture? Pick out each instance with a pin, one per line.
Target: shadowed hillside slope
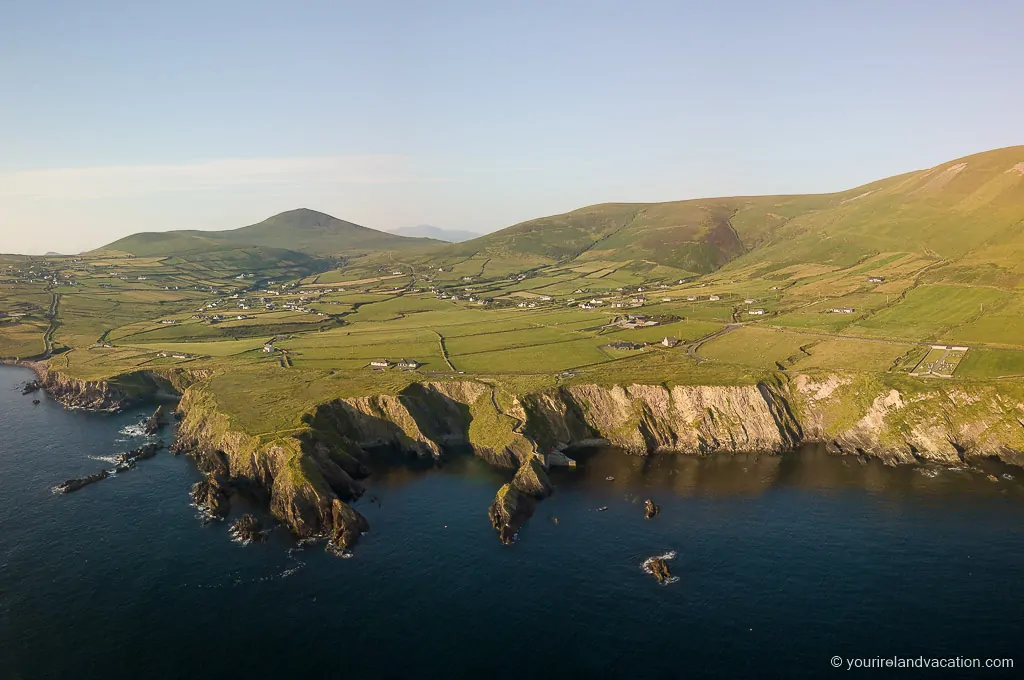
(971, 209)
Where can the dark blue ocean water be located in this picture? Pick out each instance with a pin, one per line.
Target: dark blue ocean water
(783, 563)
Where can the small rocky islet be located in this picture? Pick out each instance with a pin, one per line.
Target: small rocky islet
(124, 461)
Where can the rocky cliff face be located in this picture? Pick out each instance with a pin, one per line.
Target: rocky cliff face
(911, 421)
(114, 394)
(309, 476)
(644, 419)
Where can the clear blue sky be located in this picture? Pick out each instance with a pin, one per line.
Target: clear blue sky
(118, 117)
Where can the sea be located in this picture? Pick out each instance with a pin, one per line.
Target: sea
(782, 565)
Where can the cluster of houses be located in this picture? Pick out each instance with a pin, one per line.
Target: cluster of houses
(636, 321)
(404, 364)
(668, 341)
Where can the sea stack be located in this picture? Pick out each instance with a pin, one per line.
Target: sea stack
(515, 502)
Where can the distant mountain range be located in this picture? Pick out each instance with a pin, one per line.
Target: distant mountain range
(428, 231)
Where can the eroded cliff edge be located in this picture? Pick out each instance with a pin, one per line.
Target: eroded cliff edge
(309, 474)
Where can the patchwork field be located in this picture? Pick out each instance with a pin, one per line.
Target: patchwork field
(519, 317)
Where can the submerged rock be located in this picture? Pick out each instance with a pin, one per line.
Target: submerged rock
(348, 525)
(36, 402)
(532, 479)
(76, 484)
(651, 509)
(211, 497)
(248, 529)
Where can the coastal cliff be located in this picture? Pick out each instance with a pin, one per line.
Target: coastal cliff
(310, 474)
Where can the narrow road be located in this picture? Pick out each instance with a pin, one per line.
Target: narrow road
(52, 316)
(691, 349)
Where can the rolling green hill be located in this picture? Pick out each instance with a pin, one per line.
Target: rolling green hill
(302, 230)
(970, 209)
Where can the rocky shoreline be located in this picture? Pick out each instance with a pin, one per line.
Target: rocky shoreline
(309, 478)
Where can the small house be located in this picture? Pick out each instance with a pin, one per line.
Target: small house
(876, 279)
(842, 310)
(269, 348)
(670, 341)
(380, 363)
(714, 298)
(408, 364)
(755, 312)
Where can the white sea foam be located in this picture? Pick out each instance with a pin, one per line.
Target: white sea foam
(929, 472)
(112, 458)
(137, 430)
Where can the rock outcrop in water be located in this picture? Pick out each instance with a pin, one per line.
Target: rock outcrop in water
(75, 484)
(348, 526)
(127, 460)
(516, 501)
(658, 567)
(509, 512)
(156, 422)
(248, 529)
(123, 462)
(651, 510)
(211, 497)
(31, 386)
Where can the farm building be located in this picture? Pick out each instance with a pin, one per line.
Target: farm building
(625, 345)
(408, 364)
(842, 310)
(755, 312)
(715, 298)
(269, 348)
(876, 279)
(380, 363)
(670, 341)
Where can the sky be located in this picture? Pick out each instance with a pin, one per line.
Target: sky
(120, 117)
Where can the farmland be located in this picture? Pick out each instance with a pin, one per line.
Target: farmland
(723, 291)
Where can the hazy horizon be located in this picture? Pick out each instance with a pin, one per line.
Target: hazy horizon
(138, 118)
